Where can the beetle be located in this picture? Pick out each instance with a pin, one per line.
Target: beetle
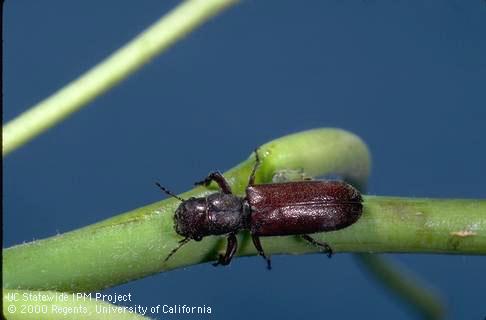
(275, 209)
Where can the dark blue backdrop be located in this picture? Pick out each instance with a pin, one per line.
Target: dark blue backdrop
(407, 76)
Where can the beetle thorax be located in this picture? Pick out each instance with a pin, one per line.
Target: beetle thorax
(219, 213)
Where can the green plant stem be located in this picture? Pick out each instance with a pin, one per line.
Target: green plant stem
(22, 305)
(135, 244)
(99, 256)
(131, 57)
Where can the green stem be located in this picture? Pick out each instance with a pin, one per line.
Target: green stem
(134, 244)
(113, 252)
(26, 305)
(126, 60)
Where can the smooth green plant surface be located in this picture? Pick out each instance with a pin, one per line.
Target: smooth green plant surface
(118, 66)
(110, 252)
(134, 244)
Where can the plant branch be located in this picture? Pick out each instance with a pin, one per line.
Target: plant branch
(126, 60)
(134, 244)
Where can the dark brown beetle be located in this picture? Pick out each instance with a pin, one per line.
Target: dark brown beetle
(277, 209)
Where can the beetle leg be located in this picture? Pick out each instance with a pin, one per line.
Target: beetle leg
(324, 245)
(230, 251)
(219, 179)
(257, 163)
(258, 246)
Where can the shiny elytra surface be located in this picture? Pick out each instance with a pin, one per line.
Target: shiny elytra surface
(302, 207)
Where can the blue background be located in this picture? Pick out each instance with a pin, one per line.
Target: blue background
(407, 76)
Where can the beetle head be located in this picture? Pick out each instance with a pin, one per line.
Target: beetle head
(190, 219)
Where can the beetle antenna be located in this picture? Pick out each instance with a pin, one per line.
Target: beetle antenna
(168, 192)
(181, 243)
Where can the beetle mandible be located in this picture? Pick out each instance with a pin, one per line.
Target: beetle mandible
(275, 209)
